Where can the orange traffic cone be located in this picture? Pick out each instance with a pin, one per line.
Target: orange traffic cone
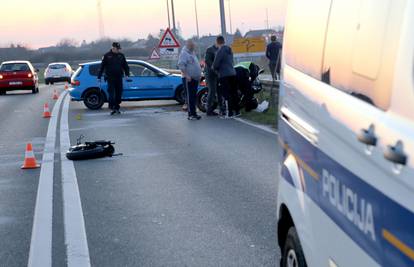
(55, 95)
(46, 112)
(29, 158)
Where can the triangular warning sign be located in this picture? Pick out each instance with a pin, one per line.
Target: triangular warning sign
(168, 40)
(155, 54)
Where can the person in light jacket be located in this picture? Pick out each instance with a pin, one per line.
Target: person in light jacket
(191, 71)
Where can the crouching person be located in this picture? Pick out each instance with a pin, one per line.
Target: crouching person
(191, 71)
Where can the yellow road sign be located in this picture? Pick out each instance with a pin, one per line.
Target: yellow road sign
(254, 45)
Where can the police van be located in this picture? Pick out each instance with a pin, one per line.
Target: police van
(346, 133)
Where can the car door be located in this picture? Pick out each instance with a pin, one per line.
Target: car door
(146, 83)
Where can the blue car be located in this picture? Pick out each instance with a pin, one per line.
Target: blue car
(146, 82)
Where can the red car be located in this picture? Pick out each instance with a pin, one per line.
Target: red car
(18, 75)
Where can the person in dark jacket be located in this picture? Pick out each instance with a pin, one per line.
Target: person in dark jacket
(115, 66)
(224, 65)
(273, 52)
(212, 83)
(247, 72)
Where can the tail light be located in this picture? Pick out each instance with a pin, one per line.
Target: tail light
(75, 83)
(30, 75)
(1, 76)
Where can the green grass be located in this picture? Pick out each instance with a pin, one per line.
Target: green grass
(267, 118)
(41, 75)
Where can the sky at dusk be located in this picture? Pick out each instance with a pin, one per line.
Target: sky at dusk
(39, 23)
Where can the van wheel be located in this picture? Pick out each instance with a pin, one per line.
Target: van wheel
(180, 95)
(292, 252)
(93, 99)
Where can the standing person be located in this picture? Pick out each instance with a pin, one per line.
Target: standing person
(115, 67)
(224, 65)
(212, 83)
(191, 71)
(273, 55)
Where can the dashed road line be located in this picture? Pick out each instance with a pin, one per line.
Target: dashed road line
(41, 241)
(77, 250)
(258, 126)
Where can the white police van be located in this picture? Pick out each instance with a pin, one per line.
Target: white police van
(346, 129)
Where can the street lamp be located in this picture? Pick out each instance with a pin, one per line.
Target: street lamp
(173, 16)
(223, 19)
(196, 15)
(231, 24)
(168, 14)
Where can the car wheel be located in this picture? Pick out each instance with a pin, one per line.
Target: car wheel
(292, 252)
(202, 97)
(180, 95)
(93, 99)
(34, 90)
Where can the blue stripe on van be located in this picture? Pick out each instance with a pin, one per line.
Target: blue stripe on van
(348, 200)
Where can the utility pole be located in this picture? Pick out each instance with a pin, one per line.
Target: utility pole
(231, 24)
(168, 13)
(174, 29)
(196, 15)
(267, 18)
(223, 19)
(100, 19)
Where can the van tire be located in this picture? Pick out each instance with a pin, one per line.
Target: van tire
(93, 99)
(292, 251)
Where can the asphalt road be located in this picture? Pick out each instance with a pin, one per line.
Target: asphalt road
(184, 193)
(20, 122)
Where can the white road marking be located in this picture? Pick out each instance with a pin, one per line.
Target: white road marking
(41, 243)
(75, 234)
(258, 126)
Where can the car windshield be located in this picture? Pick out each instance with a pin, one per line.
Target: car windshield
(57, 66)
(14, 67)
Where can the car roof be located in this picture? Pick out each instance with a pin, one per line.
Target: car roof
(58, 63)
(16, 61)
(99, 62)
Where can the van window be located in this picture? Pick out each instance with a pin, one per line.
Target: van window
(305, 35)
(361, 46)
